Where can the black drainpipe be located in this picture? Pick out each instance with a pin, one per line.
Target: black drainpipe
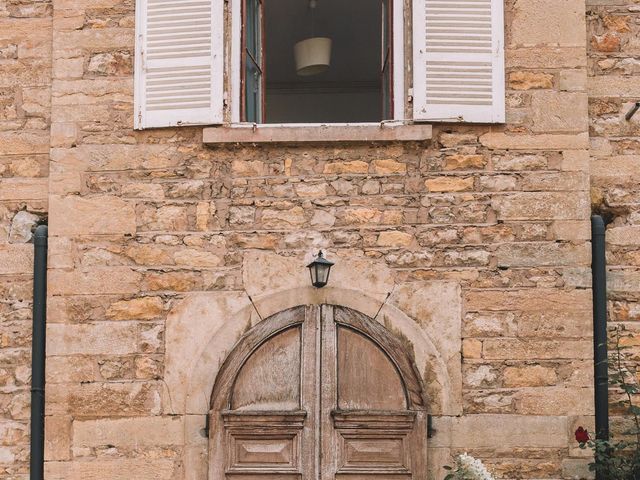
(601, 365)
(38, 352)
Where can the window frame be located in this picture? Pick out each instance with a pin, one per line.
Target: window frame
(235, 55)
(246, 51)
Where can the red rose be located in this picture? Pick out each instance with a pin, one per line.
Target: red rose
(582, 436)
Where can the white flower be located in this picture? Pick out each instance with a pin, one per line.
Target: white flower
(469, 468)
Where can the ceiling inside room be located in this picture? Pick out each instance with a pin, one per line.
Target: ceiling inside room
(353, 25)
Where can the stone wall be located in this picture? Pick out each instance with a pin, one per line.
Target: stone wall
(614, 85)
(25, 81)
(144, 225)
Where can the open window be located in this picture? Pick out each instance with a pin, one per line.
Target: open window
(225, 62)
(317, 61)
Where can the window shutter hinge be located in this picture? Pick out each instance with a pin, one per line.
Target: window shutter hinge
(410, 95)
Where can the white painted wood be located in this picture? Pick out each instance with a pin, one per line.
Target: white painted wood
(179, 63)
(399, 64)
(235, 61)
(458, 57)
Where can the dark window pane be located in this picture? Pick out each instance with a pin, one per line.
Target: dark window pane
(253, 93)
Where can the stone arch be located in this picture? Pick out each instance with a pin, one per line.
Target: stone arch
(235, 315)
(206, 369)
(272, 326)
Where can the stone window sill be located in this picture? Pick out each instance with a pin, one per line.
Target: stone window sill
(318, 133)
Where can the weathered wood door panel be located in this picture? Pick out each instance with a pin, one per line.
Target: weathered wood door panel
(318, 393)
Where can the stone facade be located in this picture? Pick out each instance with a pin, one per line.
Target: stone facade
(25, 119)
(474, 246)
(614, 86)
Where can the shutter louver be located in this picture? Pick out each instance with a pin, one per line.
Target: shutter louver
(459, 60)
(179, 63)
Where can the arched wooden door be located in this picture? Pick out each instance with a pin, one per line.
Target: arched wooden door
(318, 393)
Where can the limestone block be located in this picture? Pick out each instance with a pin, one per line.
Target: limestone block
(16, 259)
(265, 273)
(464, 162)
(389, 167)
(118, 469)
(549, 23)
(471, 348)
(150, 191)
(510, 349)
(559, 112)
(104, 400)
(538, 254)
(620, 168)
(196, 258)
(145, 308)
(311, 190)
(552, 181)
(359, 216)
(506, 431)
(607, 42)
(22, 226)
(499, 140)
(94, 39)
(73, 369)
(571, 230)
(526, 80)
(101, 338)
(149, 254)
(529, 376)
(293, 217)
(555, 324)
(457, 139)
(542, 205)
(96, 215)
(66, 68)
(546, 57)
(577, 468)
(575, 161)
(623, 281)
(554, 401)
(490, 324)
(614, 86)
(248, 168)
(111, 63)
(394, 239)
(32, 36)
(624, 236)
(98, 281)
(23, 189)
(356, 166)
(573, 80)
(134, 431)
(519, 162)
(57, 438)
(449, 184)
(31, 166)
(539, 299)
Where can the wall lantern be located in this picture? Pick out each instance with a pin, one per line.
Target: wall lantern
(320, 269)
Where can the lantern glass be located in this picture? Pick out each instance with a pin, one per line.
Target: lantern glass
(319, 270)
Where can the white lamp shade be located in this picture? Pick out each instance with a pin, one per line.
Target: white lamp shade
(312, 55)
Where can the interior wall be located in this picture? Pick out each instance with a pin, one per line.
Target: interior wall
(323, 107)
(333, 96)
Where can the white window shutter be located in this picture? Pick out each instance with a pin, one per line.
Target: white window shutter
(179, 63)
(458, 59)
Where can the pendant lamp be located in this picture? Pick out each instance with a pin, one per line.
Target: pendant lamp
(312, 55)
